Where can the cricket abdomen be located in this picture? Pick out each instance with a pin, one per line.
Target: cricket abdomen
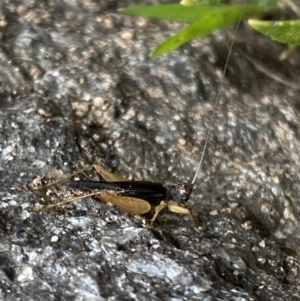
(152, 192)
(91, 185)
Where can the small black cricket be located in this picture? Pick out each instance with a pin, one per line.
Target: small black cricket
(135, 197)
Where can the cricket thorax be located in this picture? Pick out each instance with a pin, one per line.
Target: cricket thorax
(178, 192)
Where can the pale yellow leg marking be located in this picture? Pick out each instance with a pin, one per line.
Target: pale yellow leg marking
(178, 209)
(158, 208)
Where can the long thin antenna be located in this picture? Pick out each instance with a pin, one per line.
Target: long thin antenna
(216, 104)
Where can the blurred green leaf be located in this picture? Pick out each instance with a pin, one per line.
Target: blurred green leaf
(172, 12)
(204, 18)
(264, 3)
(287, 32)
(214, 18)
(200, 2)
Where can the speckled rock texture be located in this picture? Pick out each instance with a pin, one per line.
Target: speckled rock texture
(77, 86)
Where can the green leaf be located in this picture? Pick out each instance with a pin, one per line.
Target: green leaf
(214, 18)
(200, 2)
(172, 12)
(287, 32)
(264, 3)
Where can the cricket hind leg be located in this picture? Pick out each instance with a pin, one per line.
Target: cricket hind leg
(82, 170)
(106, 175)
(63, 203)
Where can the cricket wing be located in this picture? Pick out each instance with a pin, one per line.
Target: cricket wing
(108, 176)
(128, 204)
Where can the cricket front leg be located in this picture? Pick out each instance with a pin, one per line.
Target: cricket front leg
(181, 210)
(158, 209)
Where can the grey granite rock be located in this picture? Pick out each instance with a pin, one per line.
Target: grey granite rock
(76, 87)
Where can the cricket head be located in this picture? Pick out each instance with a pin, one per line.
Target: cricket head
(185, 191)
(179, 192)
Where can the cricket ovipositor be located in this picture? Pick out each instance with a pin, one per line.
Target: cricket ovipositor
(138, 197)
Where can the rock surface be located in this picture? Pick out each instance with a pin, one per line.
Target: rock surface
(77, 86)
